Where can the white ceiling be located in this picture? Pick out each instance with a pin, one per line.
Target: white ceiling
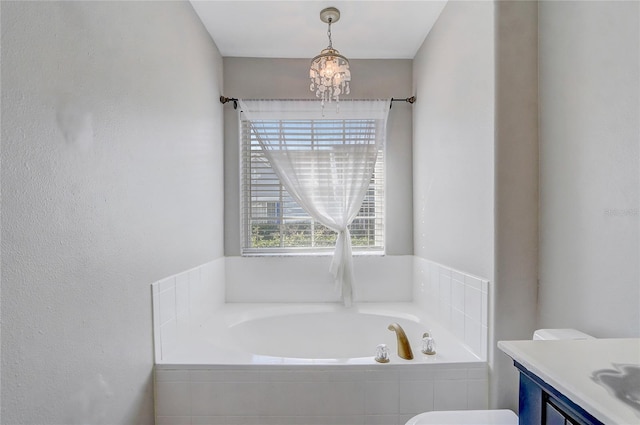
(293, 29)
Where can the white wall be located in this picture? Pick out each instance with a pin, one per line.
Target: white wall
(305, 279)
(516, 189)
(589, 127)
(288, 79)
(112, 179)
(453, 146)
(475, 162)
(453, 140)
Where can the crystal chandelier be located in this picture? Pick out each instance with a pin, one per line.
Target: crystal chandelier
(329, 73)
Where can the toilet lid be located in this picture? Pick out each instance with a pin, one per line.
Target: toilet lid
(466, 417)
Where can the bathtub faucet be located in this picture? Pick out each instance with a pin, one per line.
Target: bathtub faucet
(404, 348)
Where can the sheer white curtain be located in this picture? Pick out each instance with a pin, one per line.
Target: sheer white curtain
(327, 166)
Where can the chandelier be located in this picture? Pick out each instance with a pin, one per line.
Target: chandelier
(329, 73)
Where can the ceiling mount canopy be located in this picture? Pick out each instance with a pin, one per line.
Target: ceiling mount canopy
(330, 15)
(329, 73)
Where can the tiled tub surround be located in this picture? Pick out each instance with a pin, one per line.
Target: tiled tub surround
(202, 378)
(320, 394)
(183, 301)
(458, 301)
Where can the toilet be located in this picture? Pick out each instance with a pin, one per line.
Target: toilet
(491, 417)
(466, 417)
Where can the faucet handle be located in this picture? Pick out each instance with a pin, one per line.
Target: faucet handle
(428, 344)
(382, 353)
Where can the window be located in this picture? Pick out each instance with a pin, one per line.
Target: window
(272, 222)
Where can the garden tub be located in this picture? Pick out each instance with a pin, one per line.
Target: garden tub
(313, 363)
(313, 334)
(219, 360)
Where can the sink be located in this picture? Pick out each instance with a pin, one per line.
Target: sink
(623, 382)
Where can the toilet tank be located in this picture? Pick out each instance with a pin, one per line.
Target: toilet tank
(550, 334)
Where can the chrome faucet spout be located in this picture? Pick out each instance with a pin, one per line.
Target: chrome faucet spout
(404, 348)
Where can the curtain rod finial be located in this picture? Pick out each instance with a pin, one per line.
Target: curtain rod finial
(224, 99)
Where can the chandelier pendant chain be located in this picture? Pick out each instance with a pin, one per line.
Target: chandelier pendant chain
(329, 34)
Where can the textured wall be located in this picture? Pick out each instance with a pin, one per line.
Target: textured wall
(111, 179)
(589, 127)
(289, 79)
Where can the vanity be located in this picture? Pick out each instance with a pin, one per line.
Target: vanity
(589, 381)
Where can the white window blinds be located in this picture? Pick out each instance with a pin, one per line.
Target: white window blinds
(273, 222)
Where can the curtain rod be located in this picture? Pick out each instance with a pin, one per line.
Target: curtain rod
(224, 99)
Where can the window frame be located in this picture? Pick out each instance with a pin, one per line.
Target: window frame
(379, 200)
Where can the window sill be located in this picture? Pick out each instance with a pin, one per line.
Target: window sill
(329, 253)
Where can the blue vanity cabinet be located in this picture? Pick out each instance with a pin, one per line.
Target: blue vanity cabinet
(540, 403)
(561, 380)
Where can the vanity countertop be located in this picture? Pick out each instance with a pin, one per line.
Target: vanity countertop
(600, 375)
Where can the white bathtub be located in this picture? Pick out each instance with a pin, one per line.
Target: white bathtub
(320, 334)
(310, 363)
